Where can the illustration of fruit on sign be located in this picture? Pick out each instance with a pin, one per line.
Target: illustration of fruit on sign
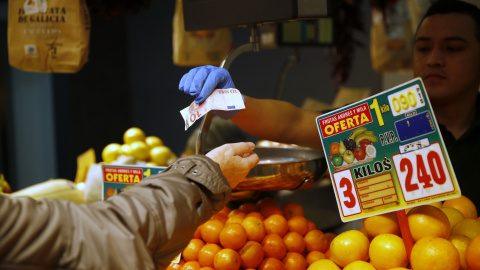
(348, 157)
(337, 160)
(359, 153)
(364, 143)
(334, 148)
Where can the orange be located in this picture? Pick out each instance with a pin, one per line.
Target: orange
(294, 261)
(207, 268)
(255, 214)
(384, 223)
(251, 254)
(175, 266)
(330, 236)
(434, 253)
(349, 246)
(453, 214)
(247, 207)
(473, 253)
(269, 210)
(314, 256)
(464, 204)
(254, 228)
(271, 264)
(276, 224)
(469, 227)
(197, 234)
(387, 251)
(273, 246)
(324, 264)
(207, 254)
(360, 265)
(298, 224)
(233, 236)
(220, 216)
(427, 220)
(294, 242)
(234, 212)
(192, 265)
(211, 230)
(291, 209)
(227, 259)
(315, 240)
(237, 217)
(460, 242)
(267, 201)
(110, 192)
(311, 225)
(190, 252)
(327, 253)
(364, 231)
(334, 148)
(225, 210)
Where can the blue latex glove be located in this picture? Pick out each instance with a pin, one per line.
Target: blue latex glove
(201, 81)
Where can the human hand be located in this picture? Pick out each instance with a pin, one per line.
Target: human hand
(201, 81)
(236, 160)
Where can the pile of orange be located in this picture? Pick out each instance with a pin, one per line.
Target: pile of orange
(264, 236)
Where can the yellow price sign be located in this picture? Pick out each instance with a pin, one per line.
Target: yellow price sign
(405, 101)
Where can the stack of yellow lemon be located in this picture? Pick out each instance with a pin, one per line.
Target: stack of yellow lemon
(149, 149)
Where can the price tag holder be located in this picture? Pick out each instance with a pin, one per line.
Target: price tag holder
(386, 153)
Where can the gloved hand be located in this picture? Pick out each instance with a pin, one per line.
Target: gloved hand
(201, 81)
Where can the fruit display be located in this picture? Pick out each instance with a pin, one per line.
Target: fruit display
(357, 148)
(138, 148)
(264, 235)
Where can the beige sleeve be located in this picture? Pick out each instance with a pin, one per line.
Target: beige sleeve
(144, 227)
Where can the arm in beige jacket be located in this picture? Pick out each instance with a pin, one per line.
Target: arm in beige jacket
(144, 227)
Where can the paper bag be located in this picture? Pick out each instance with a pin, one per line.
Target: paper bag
(198, 48)
(48, 36)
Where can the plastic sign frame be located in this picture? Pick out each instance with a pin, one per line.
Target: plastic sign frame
(406, 163)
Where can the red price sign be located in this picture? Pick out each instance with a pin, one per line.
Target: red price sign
(423, 173)
(346, 193)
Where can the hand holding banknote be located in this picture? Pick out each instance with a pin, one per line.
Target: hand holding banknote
(220, 100)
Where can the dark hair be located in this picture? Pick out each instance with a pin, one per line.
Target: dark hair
(454, 6)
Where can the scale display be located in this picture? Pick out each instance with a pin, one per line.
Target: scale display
(385, 153)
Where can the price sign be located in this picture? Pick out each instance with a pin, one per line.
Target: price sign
(385, 153)
(117, 178)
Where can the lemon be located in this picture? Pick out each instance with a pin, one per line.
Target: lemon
(461, 242)
(454, 215)
(110, 152)
(153, 141)
(323, 264)
(349, 246)
(139, 150)
(160, 155)
(371, 151)
(153, 164)
(125, 150)
(133, 134)
(469, 227)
